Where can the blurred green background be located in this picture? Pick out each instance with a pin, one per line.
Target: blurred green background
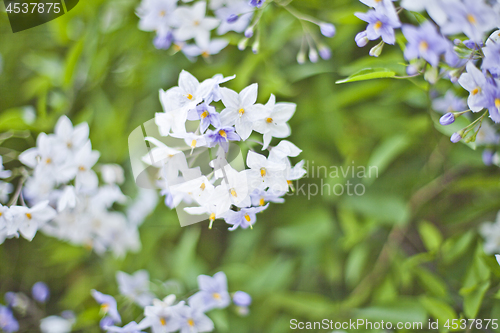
(407, 250)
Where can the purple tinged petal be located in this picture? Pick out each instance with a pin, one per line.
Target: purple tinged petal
(447, 119)
(241, 298)
(455, 137)
(327, 29)
(40, 292)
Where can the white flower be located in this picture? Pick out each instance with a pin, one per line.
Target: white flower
(135, 286)
(29, 220)
(112, 174)
(266, 173)
(8, 228)
(84, 159)
(67, 199)
(200, 189)
(234, 189)
(162, 315)
(205, 48)
(56, 324)
(72, 138)
(274, 122)
(4, 173)
(5, 190)
(192, 23)
(156, 14)
(241, 109)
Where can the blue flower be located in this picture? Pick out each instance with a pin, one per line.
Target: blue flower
(221, 136)
(424, 42)
(7, 321)
(256, 3)
(40, 292)
(108, 305)
(491, 61)
(380, 25)
(213, 293)
(207, 114)
(243, 218)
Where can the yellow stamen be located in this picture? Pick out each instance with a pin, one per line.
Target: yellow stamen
(190, 322)
(262, 172)
(28, 215)
(289, 182)
(233, 193)
(81, 168)
(424, 46)
(216, 296)
(177, 47)
(196, 23)
(497, 103)
(202, 186)
(48, 160)
(471, 19)
(247, 217)
(204, 114)
(205, 54)
(189, 96)
(475, 91)
(212, 217)
(241, 111)
(162, 13)
(193, 143)
(223, 133)
(105, 307)
(269, 120)
(378, 25)
(0, 214)
(262, 202)
(163, 322)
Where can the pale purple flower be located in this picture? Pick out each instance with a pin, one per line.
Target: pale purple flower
(193, 320)
(236, 16)
(449, 103)
(424, 42)
(207, 115)
(488, 157)
(135, 286)
(241, 298)
(108, 305)
(163, 41)
(131, 327)
(260, 197)
(474, 82)
(472, 17)
(8, 323)
(244, 218)
(383, 6)
(324, 52)
(213, 293)
(106, 322)
(40, 292)
(256, 3)
(492, 101)
(380, 25)
(221, 136)
(491, 61)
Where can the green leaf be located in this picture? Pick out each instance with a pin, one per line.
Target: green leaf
(369, 74)
(431, 236)
(438, 309)
(402, 310)
(473, 298)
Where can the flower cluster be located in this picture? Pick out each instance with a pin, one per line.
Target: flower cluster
(62, 197)
(29, 309)
(188, 28)
(470, 60)
(194, 126)
(167, 315)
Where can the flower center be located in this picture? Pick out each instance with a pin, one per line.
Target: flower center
(189, 96)
(204, 114)
(471, 18)
(261, 201)
(28, 215)
(378, 25)
(262, 172)
(247, 217)
(81, 168)
(193, 143)
(212, 217)
(163, 13)
(269, 120)
(424, 46)
(191, 322)
(48, 160)
(163, 322)
(233, 193)
(202, 186)
(196, 23)
(497, 103)
(216, 296)
(177, 47)
(105, 307)
(223, 133)
(475, 91)
(241, 111)
(205, 54)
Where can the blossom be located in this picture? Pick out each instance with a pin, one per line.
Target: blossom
(155, 14)
(474, 82)
(7, 321)
(56, 324)
(162, 315)
(435, 8)
(492, 99)
(491, 60)
(207, 115)
(40, 292)
(192, 23)
(260, 197)
(29, 220)
(108, 305)
(131, 327)
(215, 95)
(472, 17)
(5, 190)
(84, 160)
(380, 25)
(424, 42)
(266, 173)
(256, 3)
(243, 12)
(234, 190)
(241, 109)
(449, 103)
(244, 218)
(205, 48)
(194, 321)
(73, 138)
(273, 122)
(213, 293)
(221, 136)
(135, 286)
(200, 189)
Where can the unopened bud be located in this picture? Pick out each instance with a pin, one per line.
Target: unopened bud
(377, 49)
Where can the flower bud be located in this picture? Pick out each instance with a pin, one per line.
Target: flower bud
(456, 137)
(241, 298)
(249, 32)
(377, 49)
(361, 39)
(447, 119)
(40, 292)
(411, 70)
(469, 44)
(324, 52)
(301, 57)
(242, 44)
(431, 75)
(313, 55)
(327, 29)
(255, 47)
(488, 157)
